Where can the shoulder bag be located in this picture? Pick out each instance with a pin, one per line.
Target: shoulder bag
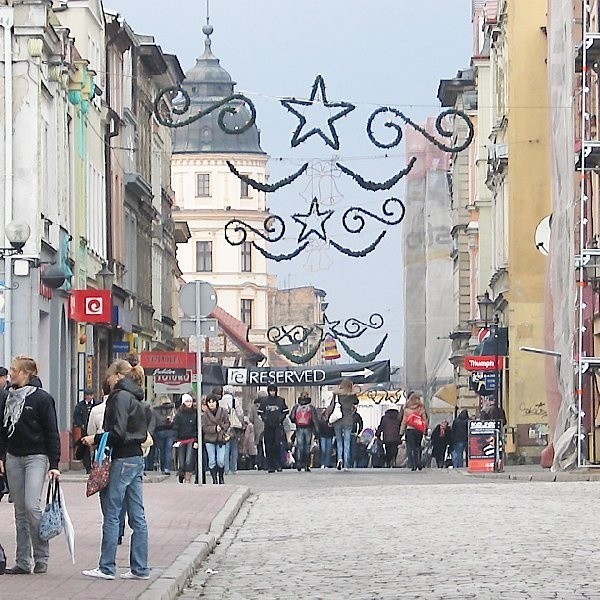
(336, 413)
(100, 472)
(416, 421)
(51, 522)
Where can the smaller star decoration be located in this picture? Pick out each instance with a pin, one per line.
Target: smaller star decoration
(318, 96)
(318, 220)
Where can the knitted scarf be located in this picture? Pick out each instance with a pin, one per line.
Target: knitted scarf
(14, 406)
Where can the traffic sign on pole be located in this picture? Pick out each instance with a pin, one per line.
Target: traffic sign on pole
(197, 300)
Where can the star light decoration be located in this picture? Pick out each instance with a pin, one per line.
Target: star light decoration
(315, 216)
(317, 95)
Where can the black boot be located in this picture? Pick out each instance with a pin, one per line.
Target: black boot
(220, 472)
(213, 473)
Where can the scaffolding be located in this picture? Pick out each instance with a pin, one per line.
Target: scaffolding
(587, 239)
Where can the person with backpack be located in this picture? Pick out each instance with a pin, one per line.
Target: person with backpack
(304, 415)
(272, 411)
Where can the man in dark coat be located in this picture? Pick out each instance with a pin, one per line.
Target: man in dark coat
(272, 411)
(460, 435)
(389, 433)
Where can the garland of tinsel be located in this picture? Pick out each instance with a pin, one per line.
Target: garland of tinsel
(298, 359)
(366, 357)
(374, 186)
(267, 187)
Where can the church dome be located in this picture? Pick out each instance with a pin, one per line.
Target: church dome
(206, 83)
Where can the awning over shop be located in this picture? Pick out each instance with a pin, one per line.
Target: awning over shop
(448, 393)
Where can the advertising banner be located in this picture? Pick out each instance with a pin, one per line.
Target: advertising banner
(172, 381)
(485, 446)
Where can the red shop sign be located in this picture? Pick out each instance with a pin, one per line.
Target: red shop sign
(90, 306)
(168, 360)
(484, 363)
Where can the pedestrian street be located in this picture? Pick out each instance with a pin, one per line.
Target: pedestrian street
(394, 534)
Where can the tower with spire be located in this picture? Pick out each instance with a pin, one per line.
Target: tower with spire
(208, 195)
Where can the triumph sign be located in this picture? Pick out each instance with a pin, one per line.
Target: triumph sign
(374, 372)
(484, 363)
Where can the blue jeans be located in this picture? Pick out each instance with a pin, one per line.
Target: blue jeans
(303, 439)
(163, 442)
(186, 457)
(458, 452)
(231, 454)
(343, 435)
(124, 486)
(26, 476)
(216, 455)
(326, 444)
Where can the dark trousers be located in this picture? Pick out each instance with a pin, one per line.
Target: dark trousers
(87, 459)
(391, 451)
(273, 437)
(413, 448)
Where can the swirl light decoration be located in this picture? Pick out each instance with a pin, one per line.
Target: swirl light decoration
(438, 126)
(352, 328)
(166, 112)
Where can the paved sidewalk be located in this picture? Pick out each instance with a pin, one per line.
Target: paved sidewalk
(184, 521)
(537, 473)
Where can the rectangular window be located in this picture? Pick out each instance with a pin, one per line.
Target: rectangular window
(244, 189)
(203, 256)
(246, 312)
(202, 185)
(247, 257)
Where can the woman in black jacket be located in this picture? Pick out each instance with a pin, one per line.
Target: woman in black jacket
(29, 448)
(126, 423)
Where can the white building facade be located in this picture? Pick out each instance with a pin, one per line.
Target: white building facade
(208, 195)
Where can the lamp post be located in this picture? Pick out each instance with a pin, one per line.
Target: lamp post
(17, 233)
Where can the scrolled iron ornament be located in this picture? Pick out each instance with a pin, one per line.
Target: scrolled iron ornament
(438, 126)
(224, 105)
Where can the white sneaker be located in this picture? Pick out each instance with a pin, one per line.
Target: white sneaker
(131, 575)
(97, 573)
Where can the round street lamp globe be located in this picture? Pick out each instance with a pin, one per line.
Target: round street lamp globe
(17, 233)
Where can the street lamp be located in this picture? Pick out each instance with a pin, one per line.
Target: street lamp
(105, 277)
(487, 314)
(486, 308)
(17, 233)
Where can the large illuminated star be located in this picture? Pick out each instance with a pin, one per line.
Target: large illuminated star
(315, 215)
(318, 96)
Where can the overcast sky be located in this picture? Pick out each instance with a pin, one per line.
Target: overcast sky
(376, 53)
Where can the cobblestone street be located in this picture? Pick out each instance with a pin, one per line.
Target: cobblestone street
(396, 534)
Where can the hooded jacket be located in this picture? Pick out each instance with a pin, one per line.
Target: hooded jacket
(460, 427)
(272, 409)
(125, 419)
(164, 414)
(389, 426)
